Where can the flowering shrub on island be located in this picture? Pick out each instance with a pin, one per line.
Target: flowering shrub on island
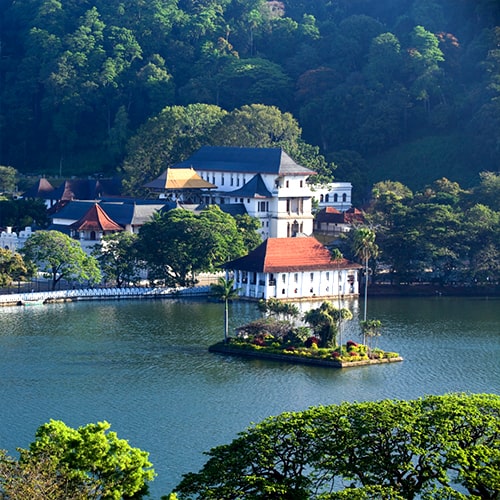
(350, 352)
(272, 336)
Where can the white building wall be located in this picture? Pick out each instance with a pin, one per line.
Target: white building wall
(291, 201)
(297, 285)
(12, 241)
(334, 194)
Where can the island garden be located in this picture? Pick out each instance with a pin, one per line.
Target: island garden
(315, 338)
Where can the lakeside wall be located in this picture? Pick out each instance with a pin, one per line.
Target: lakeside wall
(15, 299)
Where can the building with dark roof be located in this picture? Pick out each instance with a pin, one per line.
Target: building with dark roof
(95, 224)
(87, 189)
(293, 269)
(89, 220)
(269, 184)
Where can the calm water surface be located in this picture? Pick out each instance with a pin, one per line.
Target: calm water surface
(144, 367)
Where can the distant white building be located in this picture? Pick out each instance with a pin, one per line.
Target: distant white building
(13, 241)
(335, 194)
(264, 183)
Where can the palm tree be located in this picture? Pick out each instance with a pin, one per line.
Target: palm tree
(224, 290)
(337, 257)
(371, 329)
(324, 320)
(365, 248)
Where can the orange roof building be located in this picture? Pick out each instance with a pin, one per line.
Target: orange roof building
(293, 269)
(94, 224)
(332, 221)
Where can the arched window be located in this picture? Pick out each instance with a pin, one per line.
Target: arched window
(335, 198)
(344, 198)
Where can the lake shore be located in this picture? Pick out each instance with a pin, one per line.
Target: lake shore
(430, 290)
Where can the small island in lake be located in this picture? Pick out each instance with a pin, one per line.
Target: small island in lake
(281, 340)
(353, 354)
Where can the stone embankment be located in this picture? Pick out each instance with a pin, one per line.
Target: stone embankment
(31, 298)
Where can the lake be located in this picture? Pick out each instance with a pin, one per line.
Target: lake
(143, 366)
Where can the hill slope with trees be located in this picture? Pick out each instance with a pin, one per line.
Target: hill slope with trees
(406, 90)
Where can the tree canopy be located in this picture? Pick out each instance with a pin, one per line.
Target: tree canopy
(66, 463)
(20, 214)
(177, 244)
(410, 83)
(117, 257)
(442, 233)
(12, 267)
(433, 447)
(60, 257)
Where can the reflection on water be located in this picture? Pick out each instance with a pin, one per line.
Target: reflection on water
(144, 367)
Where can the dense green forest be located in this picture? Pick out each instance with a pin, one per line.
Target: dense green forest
(407, 90)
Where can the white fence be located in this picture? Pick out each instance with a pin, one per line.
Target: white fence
(100, 293)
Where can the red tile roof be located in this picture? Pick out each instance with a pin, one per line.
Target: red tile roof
(96, 219)
(332, 215)
(289, 255)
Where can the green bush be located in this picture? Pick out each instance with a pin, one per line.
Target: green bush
(391, 355)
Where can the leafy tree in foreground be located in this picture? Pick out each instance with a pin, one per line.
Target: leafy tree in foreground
(433, 447)
(88, 462)
(60, 257)
(249, 226)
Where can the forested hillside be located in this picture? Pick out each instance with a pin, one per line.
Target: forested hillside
(407, 90)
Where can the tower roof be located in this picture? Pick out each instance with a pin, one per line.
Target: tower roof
(96, 219)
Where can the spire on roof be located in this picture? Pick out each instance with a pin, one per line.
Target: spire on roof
(96, 219)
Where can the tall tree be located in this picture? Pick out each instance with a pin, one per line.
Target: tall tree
(365, 248)
(117, 257)
(178, 244)
(225, 291)
(60, 257)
